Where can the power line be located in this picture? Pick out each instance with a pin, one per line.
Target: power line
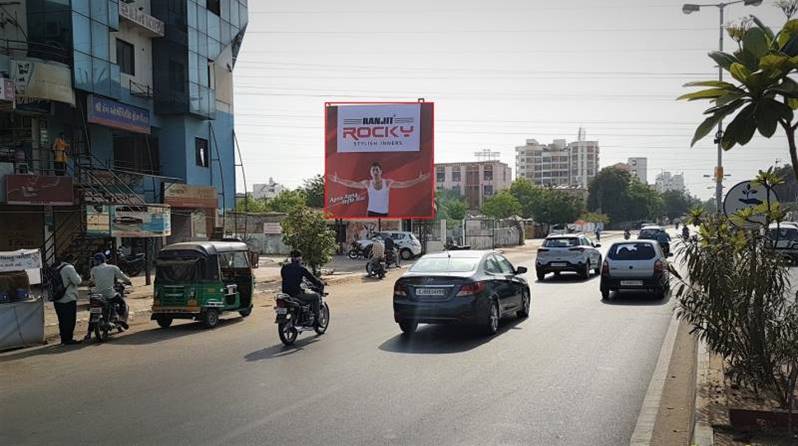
(479, 31)
(414, 11)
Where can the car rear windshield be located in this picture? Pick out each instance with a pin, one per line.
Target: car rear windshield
(782, 233)
(445, 265)
(561, 242)
(649, 233)
(632, 251)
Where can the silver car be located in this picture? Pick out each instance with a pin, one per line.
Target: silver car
(637, 265)
(575, 253)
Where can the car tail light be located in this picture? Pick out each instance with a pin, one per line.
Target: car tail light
(659, 266)
(605, 268)
(577, 249)
(399, 289)
(471, 289)
(543, 250)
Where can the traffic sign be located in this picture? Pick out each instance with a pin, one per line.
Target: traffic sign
(748, 195)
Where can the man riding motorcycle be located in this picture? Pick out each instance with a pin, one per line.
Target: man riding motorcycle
(104, 276)
(627, 234)
(292, 274)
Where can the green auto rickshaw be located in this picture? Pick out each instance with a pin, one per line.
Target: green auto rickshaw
(201, 280)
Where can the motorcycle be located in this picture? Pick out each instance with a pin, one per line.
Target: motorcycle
(294, 316)
(375, 269)
(392, 258)
(131, 265)
(626, 234)
(358, 251)
(105, 316)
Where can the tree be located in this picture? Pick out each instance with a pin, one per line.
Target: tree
(313, 189)
(592, 217)
(501, 205)
(306, 229)
(529, 195)
(764, 96)
(558, 207)
(676, 204)
(608, 194)
(251, 204)
(644, 203)
(456, 209)
(287, 200)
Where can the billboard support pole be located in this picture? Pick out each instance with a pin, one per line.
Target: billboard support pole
(379, 225)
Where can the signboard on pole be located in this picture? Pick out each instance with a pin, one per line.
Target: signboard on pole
(379, 160)
(749, 195)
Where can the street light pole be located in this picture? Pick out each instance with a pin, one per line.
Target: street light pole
(689, 8)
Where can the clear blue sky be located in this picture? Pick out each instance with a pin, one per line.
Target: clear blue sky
(499, 72)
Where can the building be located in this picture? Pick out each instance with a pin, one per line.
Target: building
(268, 190)
(559, 163)
(667, 182)
(475, 181)
(639, 168)
(139, 93)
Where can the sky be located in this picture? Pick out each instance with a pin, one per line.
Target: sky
(499, 72)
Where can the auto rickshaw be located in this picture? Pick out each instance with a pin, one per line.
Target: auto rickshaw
(202, 280)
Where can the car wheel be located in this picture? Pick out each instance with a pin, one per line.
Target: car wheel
(164, 322)
(492, 319)
(526, 304)
(541, 276)
(605, 294)
(210, 317)
(406, 254)
(598, 266)
(408, 327)
(586, 271)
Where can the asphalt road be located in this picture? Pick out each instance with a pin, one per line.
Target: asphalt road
(575, 373)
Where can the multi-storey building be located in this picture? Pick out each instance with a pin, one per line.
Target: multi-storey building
(668, 182)
(639, 168)
(267, 190)
(475, 181)
(559, 163)
(139, 96)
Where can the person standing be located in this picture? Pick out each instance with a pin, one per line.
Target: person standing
(66, 308)
(60, 147)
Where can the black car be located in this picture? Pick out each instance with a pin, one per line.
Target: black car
(477, 287)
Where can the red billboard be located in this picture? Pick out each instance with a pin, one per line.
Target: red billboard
(379, 160)
(39, 190)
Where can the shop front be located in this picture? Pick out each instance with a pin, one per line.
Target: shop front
(193, 211)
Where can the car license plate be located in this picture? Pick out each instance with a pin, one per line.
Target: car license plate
(95, 310)
(559, 264)
(430, 292)
(281, 310)
(631, 283)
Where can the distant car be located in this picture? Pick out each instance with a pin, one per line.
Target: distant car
(574, 253)
(475, 287)
(638, 265)
(406, 242)
(657, 233)
(558, 230)
(784, 238)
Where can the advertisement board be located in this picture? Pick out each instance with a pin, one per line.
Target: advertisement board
(128, 221)
(180, 195)
(38, 79)
(379, 160)
(117, 115)
(36, 190)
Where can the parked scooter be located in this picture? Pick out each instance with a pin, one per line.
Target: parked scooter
(106, 315)
(295, 316)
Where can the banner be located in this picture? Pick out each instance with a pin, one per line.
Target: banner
(141, 221)
(42, 80)
(379, 160)
(180, 195)
(20, 260)
(38, 190)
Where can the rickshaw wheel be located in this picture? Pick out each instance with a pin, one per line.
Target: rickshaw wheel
(246, 312)
(324, 319)
(164, 322)
(287, 332)
(210, 317)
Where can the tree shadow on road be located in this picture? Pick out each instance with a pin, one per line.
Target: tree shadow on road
(441, 339)
(280, 350)
(636, 299)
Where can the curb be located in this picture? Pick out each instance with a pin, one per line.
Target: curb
(703, 434)
(644, 428)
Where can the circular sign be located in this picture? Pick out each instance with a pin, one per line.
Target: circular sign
(749, 195)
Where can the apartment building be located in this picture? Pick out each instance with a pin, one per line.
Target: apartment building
(475, 181)
(560, 163)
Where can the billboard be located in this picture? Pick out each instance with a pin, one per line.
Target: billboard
(38, 190)
(379, 160)
(128, 221)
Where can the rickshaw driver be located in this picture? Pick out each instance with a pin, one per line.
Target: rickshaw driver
(292, 274)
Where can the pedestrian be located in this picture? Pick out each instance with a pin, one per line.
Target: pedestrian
(66, 308)
(60, 147)
(598, 234)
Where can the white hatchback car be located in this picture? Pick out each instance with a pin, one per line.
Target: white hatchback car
(574, 252)
(635, 265)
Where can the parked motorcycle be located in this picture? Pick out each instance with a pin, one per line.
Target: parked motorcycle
(375, 269)
(131, 265)
(106, 316)
(358, 251)
(295, 316)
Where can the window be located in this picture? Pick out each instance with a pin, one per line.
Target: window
(561, 242)
(456, 175)
(505, 265)
(214, 6)
(177, 76)
(201, 146)
(492, 266)
(125, 57)
(632, 251)
(487, 174)
(487, 190)
(440, 175)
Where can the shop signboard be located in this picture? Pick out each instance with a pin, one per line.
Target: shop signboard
(180, 195)
(39, 80)
(36, 190)
(378, 160)
(272, 228)
(117, 115)
(20, 260)
(141, 221)
(141, 18)
(98, 220)
(7, 93)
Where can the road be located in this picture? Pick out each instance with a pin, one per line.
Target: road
(575, 373)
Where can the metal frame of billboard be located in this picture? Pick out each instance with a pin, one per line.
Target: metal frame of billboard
(431, 166)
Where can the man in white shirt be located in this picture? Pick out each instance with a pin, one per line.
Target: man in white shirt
(104, 276)
(66, 307)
